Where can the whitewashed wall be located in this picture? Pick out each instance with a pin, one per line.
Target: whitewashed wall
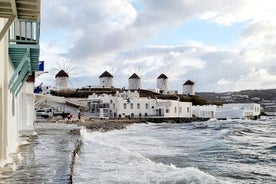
(62, 82)
(162, 85)
(16, 112)
(3, 100)
(147, 107)
(188, 89)
(174, 108)
(134, 83)
(206, 111)
(27, 102)
(9, 118)
(121, 106)
(249, 109)
(106, 82)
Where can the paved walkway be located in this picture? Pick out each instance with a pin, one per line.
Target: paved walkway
(48, 158)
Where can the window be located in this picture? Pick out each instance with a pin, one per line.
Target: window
(175, 110)
(138, 105)
(188, 110)
(147, 105)
(124, 105)
(131, 106)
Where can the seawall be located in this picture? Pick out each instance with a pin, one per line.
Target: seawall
(174, 119)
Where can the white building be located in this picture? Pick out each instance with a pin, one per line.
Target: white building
(62, 80)
(122, 105)
(162, 84)
(205, 111)
(19, 59)
(189, 88)
(174, 108)
(106, 80)
(134, 82)
(238, 111)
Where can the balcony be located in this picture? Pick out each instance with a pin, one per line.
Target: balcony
(24, 32)
(23, 51)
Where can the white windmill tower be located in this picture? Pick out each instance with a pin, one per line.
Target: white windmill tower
(106, 80)
(134, 82)
(62, 79)
(162, 83)
(189, 88)
(64, 75)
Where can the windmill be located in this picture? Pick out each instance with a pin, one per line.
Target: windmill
(147, 76)
(191, 83)
(62, 77)
(162, 83)
(106, 80)
(134, 82)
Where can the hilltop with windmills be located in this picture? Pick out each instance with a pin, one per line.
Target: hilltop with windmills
(106, 86)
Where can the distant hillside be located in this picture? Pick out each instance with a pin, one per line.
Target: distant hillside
(265, 97)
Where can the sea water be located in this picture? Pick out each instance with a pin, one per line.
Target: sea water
(236, 151)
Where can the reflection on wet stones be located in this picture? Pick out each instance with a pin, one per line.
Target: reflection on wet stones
(47, 158)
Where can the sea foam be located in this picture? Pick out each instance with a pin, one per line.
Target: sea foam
(105, 158)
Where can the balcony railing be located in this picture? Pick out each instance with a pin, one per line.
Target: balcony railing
(23, 51)
(24, 32)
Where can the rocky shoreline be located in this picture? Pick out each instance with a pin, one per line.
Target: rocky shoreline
(103, 125)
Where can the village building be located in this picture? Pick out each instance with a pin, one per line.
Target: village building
(238, 111)
(130, 104)
(19, 60)
(189, 88)
(205, 111)
(162, 84)
(174, 109)
(124, 104)
(62, 79)
(106, 80)
(134, 82)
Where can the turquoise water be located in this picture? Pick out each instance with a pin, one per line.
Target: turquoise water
(240, 151)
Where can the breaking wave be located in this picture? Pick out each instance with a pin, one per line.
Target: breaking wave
(224, 151)
(110, 161)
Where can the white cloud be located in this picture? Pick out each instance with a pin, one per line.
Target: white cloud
(256, 79)
(112, 35)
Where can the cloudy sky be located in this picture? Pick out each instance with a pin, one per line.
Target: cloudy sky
(222, 45)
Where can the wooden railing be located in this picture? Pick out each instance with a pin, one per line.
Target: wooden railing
(24, 32)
